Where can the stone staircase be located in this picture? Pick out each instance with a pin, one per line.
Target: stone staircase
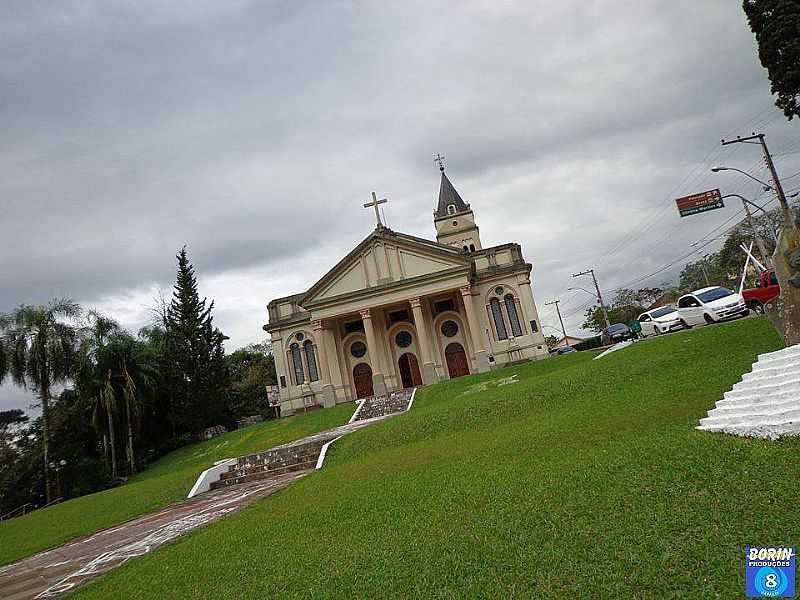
(380, 406)
(271, 463)
(765, 403)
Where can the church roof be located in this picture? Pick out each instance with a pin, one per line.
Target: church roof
(448, 195)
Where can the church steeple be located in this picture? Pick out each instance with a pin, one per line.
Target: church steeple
(453, 218)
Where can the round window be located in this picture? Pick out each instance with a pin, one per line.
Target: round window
(358, 349)
(455, 223)
(449, 328)
(403, 339)
(499, 290)
(299, 337)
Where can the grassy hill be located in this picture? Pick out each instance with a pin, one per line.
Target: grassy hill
(574, 479)
(166, 481)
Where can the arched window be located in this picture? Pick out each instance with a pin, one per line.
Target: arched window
(297, 363)
(513, 317)
(451, 209)
(311, 360)
(497, 316)
(465, 249)
(472, 247)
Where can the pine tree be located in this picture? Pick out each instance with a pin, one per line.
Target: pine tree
(776, 25)
(197, 374)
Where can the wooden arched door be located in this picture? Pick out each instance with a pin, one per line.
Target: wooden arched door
(409, 370)
(457, 365)
(362, 379)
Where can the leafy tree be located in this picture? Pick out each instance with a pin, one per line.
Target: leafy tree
(551, 340)
(626, 306)
(41, 351)
(195, 368)
(776, 25)
(252, 369)
(9, 418)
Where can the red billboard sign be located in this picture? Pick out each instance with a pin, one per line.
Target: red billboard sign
(697, 203)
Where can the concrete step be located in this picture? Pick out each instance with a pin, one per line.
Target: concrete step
(753, 407)
(770, 431)
(762, 417)
(768, 357)
(261, 475)
(764, 386)
(776, 393)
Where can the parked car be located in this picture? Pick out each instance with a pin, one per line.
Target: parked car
(618, 332)
(709, 305)
(660, 320)
(565, 350)
(765, 292)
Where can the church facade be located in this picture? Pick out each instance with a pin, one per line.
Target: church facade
(401, 311)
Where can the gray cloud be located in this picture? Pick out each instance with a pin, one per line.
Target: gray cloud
(253, 132)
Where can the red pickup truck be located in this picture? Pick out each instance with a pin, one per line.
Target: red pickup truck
(765, 292)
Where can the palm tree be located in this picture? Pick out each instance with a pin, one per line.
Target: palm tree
(115, 370)
(130, 373)
(38, 350)
(97, 330)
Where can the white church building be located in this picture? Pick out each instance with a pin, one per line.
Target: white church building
(401, 311)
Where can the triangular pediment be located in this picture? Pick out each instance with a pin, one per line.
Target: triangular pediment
(384, 258)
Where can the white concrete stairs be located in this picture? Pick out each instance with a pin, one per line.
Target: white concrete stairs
(765, 403)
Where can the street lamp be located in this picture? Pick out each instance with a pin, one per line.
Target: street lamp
(573, 289)
(57, 468)
(767, 186)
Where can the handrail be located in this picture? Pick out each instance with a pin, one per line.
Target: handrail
(10, 514)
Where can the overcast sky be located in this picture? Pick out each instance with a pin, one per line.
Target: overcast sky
(254, 131)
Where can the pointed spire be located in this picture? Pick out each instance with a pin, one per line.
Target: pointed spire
(448, 196)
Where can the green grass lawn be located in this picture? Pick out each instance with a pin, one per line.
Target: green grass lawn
(166, 481)
(584, 479)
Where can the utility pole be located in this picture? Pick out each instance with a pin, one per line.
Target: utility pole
(563, 329)
(759, 242)
(785, 315)
(599, 296)
(702, 262)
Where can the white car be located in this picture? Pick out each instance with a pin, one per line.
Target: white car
(709, 305)
(660, 320)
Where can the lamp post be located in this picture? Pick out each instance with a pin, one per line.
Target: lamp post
(57, 467)
(599, 295)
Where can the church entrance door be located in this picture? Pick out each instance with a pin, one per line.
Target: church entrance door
(362, 379)
(409, 371)
(457, 364)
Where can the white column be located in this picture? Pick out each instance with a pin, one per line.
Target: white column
(428, 367)
(481, 355)
(328, 391)
(378, 381)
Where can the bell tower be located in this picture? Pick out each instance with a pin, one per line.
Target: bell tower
(453, 218)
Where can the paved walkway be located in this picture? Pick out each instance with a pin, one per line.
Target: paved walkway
(55, 572)
(58, 571)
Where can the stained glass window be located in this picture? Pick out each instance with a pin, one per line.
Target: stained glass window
(297, 363)
(497, 316)
(311, 360)
(513, 317)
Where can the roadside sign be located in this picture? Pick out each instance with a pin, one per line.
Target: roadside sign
(698, 203)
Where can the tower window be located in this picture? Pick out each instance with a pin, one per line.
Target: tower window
(451, 209)
(472, 247)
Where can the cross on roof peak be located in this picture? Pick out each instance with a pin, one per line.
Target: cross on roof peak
(439, 159)
(374, 204)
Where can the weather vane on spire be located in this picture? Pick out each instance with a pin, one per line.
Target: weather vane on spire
(439, 159)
